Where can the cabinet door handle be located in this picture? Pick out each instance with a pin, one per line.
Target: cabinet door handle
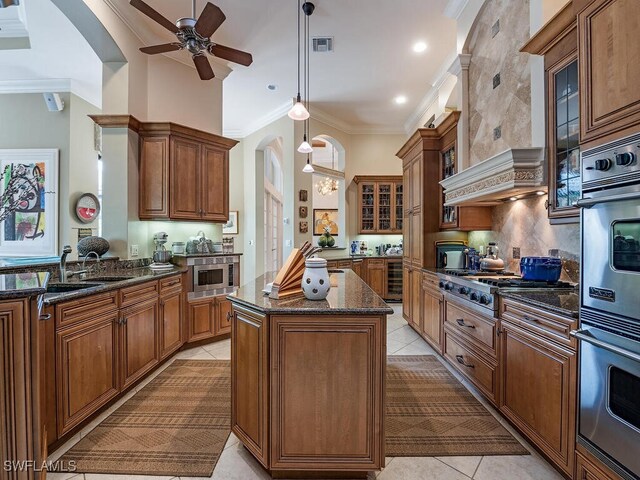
(45, 317)
(529, 319)
(461, 361)
(229, 316)
(462, 324)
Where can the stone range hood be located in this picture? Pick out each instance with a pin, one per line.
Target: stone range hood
(519, 171)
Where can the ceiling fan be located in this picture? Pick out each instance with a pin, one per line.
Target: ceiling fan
(194, 36)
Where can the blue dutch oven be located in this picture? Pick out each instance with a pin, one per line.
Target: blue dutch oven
(545, 269)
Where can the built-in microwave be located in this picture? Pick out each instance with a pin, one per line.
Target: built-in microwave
(211, 275)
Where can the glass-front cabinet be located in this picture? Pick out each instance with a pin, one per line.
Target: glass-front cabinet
(563, 140)
(380, 204)
(448, 214)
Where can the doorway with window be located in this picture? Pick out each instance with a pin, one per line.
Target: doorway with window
(273, 202)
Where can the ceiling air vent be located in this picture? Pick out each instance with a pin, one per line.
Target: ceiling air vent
(323, 44)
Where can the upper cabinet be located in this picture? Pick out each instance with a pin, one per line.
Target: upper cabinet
(608, 54)
(184, 173)
(453, 217)
(558, 42)
(380, 204)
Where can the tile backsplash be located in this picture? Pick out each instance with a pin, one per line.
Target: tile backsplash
(524, 225)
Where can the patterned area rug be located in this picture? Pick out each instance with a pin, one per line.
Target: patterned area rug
(177, 425)
(430, 413)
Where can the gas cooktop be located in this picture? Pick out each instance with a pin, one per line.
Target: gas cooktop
(517, 282)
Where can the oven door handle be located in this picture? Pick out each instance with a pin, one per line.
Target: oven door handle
(590, 202)
(584, 335)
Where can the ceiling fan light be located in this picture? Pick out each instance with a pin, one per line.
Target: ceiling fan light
(298, 112)
(305, 147)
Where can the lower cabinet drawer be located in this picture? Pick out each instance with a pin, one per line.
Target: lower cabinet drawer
(481, 372)
(138, 293)
(481, 330)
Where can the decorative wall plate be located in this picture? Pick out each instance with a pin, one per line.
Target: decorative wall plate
(87, 207)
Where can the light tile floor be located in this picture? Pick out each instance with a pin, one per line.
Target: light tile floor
(237, 464)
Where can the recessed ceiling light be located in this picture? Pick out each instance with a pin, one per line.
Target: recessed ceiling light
(513, 199)
(541, 193)
(400, 99)
(419, 47)
(272, 87)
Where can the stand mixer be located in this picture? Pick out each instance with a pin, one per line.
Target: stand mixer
(161, 256)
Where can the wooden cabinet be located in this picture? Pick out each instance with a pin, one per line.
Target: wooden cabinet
(207, 318)
(201, 319)
(376, 275)
(557, 40)
(608, 50)
(87, 366)
(170, 311)
(139, 335)
(458, 218)
(356, 266)
(470, 345)
(588, 467)
(102, 344)
(223, 315)
(380, 204)
(406, 291)
(22, 434)
(249, 382)
(318, 372)
(432, 312)
(184, 173)
(539, 379)
(415, 284)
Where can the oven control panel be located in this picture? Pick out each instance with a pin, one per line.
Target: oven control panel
(617, 162)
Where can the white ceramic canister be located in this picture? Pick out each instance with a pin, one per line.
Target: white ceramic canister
(315, 280)
(178, 248)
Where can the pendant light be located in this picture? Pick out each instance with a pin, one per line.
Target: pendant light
(308, 168)
(298, 112)
(305, 147)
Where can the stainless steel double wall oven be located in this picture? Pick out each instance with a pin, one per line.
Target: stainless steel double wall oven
(609, 399)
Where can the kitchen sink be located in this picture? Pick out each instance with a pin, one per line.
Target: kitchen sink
(69, 287)
(105, 279)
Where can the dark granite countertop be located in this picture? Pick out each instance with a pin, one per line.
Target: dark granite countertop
(22, 285)
(562, 301)
(138, 275)
(359, 257)
(349, 295)
(186, 255)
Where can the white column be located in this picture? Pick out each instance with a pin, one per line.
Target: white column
(460, 68)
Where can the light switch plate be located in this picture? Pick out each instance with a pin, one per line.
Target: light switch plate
(135, 251)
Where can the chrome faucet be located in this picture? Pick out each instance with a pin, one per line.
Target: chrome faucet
(62, 273)
(84, 261)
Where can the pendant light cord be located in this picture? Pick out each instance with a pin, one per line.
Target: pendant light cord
(306, 74)
(299, 8)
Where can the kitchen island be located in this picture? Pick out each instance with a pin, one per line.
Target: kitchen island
(308, 379)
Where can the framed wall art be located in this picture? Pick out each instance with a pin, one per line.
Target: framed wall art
(303, 212)
(29, 202)
(325, 218)
(303, 195)
(304, 227)
(231, 227)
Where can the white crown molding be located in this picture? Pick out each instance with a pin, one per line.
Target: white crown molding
(430, 97)
(259, 123)
(221, 69)
(333, 121)
(13, 22)
(454, 8)
(41, 85)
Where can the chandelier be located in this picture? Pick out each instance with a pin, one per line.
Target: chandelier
(327, 186)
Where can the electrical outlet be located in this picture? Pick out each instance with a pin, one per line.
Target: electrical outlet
(288, 243)
(135, 251)
(516, 253)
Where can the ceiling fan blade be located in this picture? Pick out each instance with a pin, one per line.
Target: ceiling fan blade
(204, 67)
(231, 54)
(153, 15)
(210, 20)
(164, 48)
